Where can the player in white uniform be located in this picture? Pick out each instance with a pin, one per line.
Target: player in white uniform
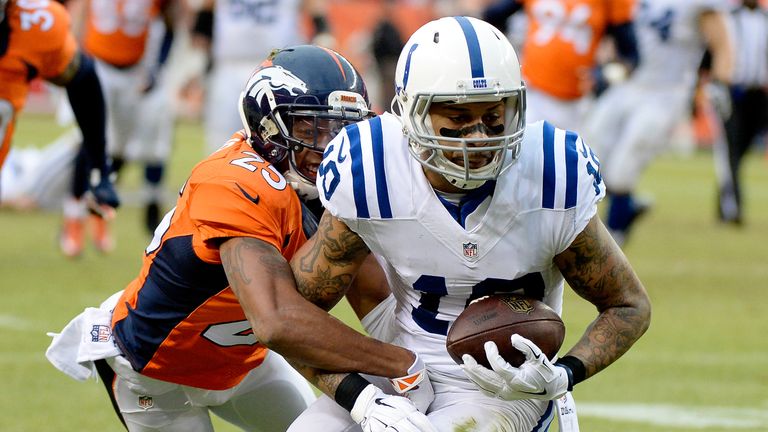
(633, 122)
(243, 33)
(520, 218)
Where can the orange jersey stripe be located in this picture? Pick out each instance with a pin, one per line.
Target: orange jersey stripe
(179, 321)
(116, 31)
(562, 38)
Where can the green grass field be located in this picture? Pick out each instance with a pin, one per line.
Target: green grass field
(703, 365)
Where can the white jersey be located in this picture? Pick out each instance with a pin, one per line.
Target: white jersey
(670, 42)
(434, 266)
(250, 29)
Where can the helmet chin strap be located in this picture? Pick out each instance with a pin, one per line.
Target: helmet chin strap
(459, 182)
(305, 189)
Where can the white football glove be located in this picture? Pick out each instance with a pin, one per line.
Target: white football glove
(416, 386)
(536, 378)
(379, 412)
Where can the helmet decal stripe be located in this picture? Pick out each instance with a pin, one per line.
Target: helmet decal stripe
(473, 45)
(377, 141)
(358, 174)
(335, 58)
(571, 169)
(549, 179)
(408, 65)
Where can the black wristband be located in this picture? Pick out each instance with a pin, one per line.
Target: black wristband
(204, 23)
(349, 389)
(575, 369)
(321, 24)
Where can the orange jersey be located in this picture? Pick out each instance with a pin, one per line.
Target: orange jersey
(38, 43)
(562, 38)
(179, 321)
(116, 31)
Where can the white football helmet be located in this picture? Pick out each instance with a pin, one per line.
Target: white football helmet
(459, 60)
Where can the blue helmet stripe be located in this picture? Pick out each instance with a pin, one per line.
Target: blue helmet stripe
(377, 140)
(358, 175)
(571, 169)
(407, 70)
(473, 45)
(549, 179)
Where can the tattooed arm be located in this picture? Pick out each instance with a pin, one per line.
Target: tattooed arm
(596, 268)
(328, 263)
(284, 321)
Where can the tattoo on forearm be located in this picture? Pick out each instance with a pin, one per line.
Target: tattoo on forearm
(235, 260)
(324, 275)
(328, 382)
(598, 271)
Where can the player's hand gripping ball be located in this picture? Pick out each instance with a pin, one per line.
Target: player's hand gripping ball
(496, 318)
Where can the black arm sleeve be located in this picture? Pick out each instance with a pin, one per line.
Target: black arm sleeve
(626, 42)
(497, 13)
(87, 101)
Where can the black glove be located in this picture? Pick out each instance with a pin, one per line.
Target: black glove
(104, 199)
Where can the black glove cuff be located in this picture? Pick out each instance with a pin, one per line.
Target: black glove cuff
(574, 368)
(349, 389)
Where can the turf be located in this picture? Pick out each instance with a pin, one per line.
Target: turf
(701, 366)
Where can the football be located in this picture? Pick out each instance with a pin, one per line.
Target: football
(496, 318)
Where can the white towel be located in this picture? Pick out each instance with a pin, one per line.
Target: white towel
(86, 338)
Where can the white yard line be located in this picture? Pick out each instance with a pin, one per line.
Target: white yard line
(681, 416)
(13, 322)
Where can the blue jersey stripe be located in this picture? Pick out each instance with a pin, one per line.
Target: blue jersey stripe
(546, 419)
(571, 169)
(358, 174)
(473, 45)
(549, 179)
(382, 191)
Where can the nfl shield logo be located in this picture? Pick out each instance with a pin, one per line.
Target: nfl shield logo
(470, 249)
(145, 402)
(100, 333)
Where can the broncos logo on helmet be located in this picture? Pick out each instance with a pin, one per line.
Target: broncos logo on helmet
(296, 101)
(272, 79)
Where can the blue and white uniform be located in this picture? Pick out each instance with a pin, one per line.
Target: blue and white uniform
(503, 238)
(244, 33)
(632, 122)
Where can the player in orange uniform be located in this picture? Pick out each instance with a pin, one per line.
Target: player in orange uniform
(215, 295)
(35, 40)
(115, 34)
(558, 55)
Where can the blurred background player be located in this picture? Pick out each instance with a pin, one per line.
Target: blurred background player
(559, 48)
(116, 34)
(632, 122)
(238, 34)
(749, 106)
(35, 40)
(386, 44)
(40, 178)
(202, 328)
(152, 139)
